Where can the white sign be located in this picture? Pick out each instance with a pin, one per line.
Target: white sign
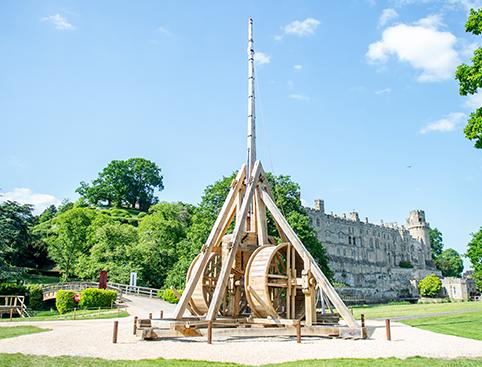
(133, 281)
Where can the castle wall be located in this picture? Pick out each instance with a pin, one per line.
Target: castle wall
(367, 258)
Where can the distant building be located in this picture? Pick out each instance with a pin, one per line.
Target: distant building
(457, 289)
(375, 263)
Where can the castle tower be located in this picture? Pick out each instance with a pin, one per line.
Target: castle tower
(420, 230)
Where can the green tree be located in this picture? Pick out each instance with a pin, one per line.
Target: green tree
(436, 242)
(113, 249)
(47, 214)
(470, 79)
(430, 286)
(450, 263)
(130, 183)
(160, 236)
(474, 253)
(15, 237)
(67, 238)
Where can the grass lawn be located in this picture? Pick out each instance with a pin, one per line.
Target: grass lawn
(79, 315)
(10, 332)
(467, 325)
(17, 360)
(390, 311)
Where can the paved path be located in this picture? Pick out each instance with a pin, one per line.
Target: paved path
(94, 338)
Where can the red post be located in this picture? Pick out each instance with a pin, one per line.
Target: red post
(387, 327)
(298, 331)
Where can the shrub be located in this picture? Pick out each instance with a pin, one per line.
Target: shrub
(35, 297)
(430, 286)
(405, 264)
(168, 295)
(96, 297)
(64, 300)
(10, 289)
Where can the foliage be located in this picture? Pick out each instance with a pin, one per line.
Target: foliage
(405, 264)
(35, 297)
(430, 286)
(470, 79)
(95, 297)
(436, 242)
(474, 253)
(15, 238)
(130, 183)
(67, 238)
(64, 300)
(113, 249)
(48, 214)
(11, 289)
(450, 263)
(160, 236)
(168, 295)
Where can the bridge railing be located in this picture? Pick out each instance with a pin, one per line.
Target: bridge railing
(13, 303)
(129, 289)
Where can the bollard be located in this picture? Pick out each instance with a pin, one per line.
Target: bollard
(210, 332)
(134, 331)
(162, 314)
(150, 316)
(298, 331)
(74, 312)
(114, 334)
(362, 317)
(11, 314)
(387, 327)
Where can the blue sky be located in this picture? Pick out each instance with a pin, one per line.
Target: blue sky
(356, 100)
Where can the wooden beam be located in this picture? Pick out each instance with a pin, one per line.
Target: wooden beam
(261, 227)
(216, 233)
(300, 248)
(227, 263)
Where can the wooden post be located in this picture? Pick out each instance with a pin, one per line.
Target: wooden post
(114, 334)
(298, 331)
(162, 314)
(210, 332)
(74, 312)
(134, 330)
(362, 318)
(150, 316)
(11, 314)
(387, 327)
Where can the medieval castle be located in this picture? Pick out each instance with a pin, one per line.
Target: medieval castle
(374, 263)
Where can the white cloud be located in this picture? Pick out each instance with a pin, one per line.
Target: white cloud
(164, 30)
(298, 67)
(383, 91)
(474, 101)
(26, 196)
(445, 124)
(261, 58)
(421, 45)
(387, 15)
(61, 23)
(299, 97)
(300, 28)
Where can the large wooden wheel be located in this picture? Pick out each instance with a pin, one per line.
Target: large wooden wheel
(202, 295)
(271, 282)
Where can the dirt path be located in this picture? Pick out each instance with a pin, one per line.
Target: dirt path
(94, 338)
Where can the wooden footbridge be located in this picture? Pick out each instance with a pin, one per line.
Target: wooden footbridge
(13, 304)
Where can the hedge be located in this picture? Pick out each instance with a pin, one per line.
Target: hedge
(64, 301)
(96, 297)
(35, 297)
(11, 289)
(168, 295)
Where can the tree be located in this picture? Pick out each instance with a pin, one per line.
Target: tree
(130, 183)
(160, 234)
(470, 79)
(450, 263)
(67, 238)
(436, 242)
(430, 286)
(474, 253)
(15, 237)
(47, 214)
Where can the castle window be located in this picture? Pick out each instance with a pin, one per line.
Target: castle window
(349, 240)
(318, 222)
(354, 242)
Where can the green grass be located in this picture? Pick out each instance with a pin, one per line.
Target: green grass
(396, 310)
(79, 315)
(40, 279)
(467, 325)
(17, 360)
(10, 332)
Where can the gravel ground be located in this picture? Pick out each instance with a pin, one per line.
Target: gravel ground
(93, 338)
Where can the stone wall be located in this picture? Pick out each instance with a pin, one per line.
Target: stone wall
(375, 263)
